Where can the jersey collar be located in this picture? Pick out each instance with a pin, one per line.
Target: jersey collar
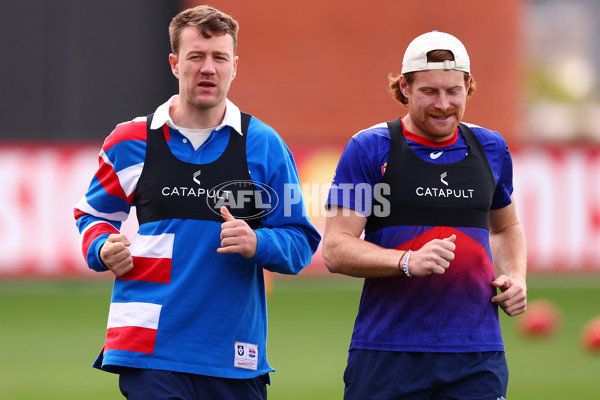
(232, 116)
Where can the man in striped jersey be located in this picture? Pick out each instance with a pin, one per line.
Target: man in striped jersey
(188, 315)
(440, 205)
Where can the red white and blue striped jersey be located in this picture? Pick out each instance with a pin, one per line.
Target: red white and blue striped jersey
(184, 307)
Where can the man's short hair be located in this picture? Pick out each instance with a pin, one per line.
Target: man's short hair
(208, 20)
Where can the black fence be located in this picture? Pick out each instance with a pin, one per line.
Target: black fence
(73, 69)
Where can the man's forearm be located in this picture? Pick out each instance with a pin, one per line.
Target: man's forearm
(352, 256)
(509, 251)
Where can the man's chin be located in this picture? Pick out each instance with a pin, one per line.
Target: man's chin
(206, 104)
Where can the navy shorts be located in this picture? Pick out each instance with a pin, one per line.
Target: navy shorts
(150, 384)
(390, 375)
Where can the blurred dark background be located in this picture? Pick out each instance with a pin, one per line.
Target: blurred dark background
(73, 69)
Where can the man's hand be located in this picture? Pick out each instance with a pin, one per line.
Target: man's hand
(513, 299)
(236, 236)
(433, 258)
(115, 254)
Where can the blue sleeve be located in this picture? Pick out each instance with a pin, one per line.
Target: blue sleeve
(504, 187)
(359, 170)
(498, 155)
(287, 239)
(93, 256)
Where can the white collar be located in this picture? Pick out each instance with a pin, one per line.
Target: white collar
(232, 116)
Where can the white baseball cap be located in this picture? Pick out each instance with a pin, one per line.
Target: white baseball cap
(415, 57)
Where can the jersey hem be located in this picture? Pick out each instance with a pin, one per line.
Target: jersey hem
(427, 348)
(116, 363)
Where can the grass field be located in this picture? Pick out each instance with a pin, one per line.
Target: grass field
(50, 332)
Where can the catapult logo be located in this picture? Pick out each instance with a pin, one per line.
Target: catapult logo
(239, 194)
(196, 175)
(443, 177)
(445, 192)
(193, 191)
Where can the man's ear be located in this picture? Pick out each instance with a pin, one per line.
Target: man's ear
(236, 59)
(403, 84)
(174, 62)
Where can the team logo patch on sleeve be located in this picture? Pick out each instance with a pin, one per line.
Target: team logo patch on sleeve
(245, 356)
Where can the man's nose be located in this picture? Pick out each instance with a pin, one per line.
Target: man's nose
(442, 102)
(208, 66)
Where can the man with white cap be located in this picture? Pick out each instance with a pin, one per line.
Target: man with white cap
(433, 196)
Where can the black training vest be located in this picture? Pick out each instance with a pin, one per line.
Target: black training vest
(427, 194)
(169, 188)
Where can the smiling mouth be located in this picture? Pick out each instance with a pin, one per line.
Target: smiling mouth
(442, 117)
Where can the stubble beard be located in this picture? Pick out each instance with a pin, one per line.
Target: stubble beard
(429, 120)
